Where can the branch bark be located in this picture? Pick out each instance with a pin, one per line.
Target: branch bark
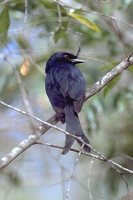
(99, 85)
(33, 138)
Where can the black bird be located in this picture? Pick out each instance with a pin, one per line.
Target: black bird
(65, 87)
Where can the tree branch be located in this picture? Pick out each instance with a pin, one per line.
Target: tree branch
(33, 138)
(99, 85)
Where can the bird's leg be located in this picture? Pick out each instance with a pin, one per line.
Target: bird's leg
(60, 117)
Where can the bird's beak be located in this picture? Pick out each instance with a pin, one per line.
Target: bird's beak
(76, 61)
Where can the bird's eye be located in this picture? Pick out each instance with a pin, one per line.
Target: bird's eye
(65, 56)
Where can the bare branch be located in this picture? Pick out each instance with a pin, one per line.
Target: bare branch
(4, 2)
(33, 139)
(99, 85)
(25, 144)
(59, 14)
(125, 181)
(23, 91)
(26, 10)
(67, 197)
(89, 178)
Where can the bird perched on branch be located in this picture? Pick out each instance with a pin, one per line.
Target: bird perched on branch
(65, 87)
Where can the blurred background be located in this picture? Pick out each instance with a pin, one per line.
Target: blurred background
(30, 31)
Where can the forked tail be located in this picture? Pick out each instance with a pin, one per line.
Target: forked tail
(73, 126)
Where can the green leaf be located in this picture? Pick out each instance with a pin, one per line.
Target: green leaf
(110, 85)
(59, 33)
(84, 20)
(130, 68)
(48, 4)
(4, 25)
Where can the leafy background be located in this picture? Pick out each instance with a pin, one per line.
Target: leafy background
(30, 31)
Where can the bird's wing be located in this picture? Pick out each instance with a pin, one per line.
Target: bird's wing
(73, 85)
(53, 91)
(77, 93)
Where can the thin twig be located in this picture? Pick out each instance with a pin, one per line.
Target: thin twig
(110, 162)
(4, 2)
(74, 168)
(23, 92)
(22, 89)
(41, 128)
(33, 139)
(26, 10)
(93, 12)
(125, 181)
(89, 179)
(121, 155)
(59, 14)
(25, 97)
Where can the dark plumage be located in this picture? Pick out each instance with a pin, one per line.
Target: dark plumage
(65, 87)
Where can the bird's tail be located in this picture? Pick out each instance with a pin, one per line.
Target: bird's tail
(73, 126)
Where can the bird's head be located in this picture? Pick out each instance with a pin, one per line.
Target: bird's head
(62, 57)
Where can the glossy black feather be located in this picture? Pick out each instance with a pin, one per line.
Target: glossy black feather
(65, 87)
